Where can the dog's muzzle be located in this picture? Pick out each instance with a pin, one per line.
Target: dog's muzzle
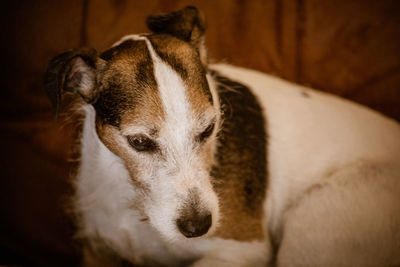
(194, 218)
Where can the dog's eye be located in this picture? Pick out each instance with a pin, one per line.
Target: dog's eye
(207, 132)
(142, 143)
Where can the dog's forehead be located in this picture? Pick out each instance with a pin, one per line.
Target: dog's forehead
(185, 60)
(130, 88)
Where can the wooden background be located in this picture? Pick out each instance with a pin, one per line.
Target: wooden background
(349, 48)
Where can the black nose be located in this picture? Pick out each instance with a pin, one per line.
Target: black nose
(194, 226)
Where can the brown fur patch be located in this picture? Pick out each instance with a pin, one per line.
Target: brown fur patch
(240, 176)
(126, 82)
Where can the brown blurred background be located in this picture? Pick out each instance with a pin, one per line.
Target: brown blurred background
(349, 48)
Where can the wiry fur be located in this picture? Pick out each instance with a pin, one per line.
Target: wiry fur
(308, 180)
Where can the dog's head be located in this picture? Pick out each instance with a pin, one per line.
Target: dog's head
(156, 110)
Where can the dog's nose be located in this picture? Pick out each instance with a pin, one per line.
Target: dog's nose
(194, 226)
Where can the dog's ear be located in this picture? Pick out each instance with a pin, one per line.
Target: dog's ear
(72, 71)
(187, 24)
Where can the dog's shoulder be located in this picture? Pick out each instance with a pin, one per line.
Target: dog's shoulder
(310, 133)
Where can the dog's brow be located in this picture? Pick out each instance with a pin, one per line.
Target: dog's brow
(133, 129)
(207, 117)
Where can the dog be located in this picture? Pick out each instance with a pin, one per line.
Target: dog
(189, 163)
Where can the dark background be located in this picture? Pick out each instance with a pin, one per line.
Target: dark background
(349, 48)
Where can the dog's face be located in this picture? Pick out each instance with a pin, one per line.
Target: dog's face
(162, 122)
(156, 110)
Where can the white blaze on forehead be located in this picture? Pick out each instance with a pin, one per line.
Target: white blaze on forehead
(173, 97)
(133, 37)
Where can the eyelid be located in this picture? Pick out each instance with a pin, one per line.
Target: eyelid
(207, 132)
(140, 129)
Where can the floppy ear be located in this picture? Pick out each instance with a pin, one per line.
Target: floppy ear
(72, 71)
(187, 24)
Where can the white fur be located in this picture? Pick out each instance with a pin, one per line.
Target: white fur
(134, 37)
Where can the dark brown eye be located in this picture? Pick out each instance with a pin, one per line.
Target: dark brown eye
(207, 132)
(142, 143)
